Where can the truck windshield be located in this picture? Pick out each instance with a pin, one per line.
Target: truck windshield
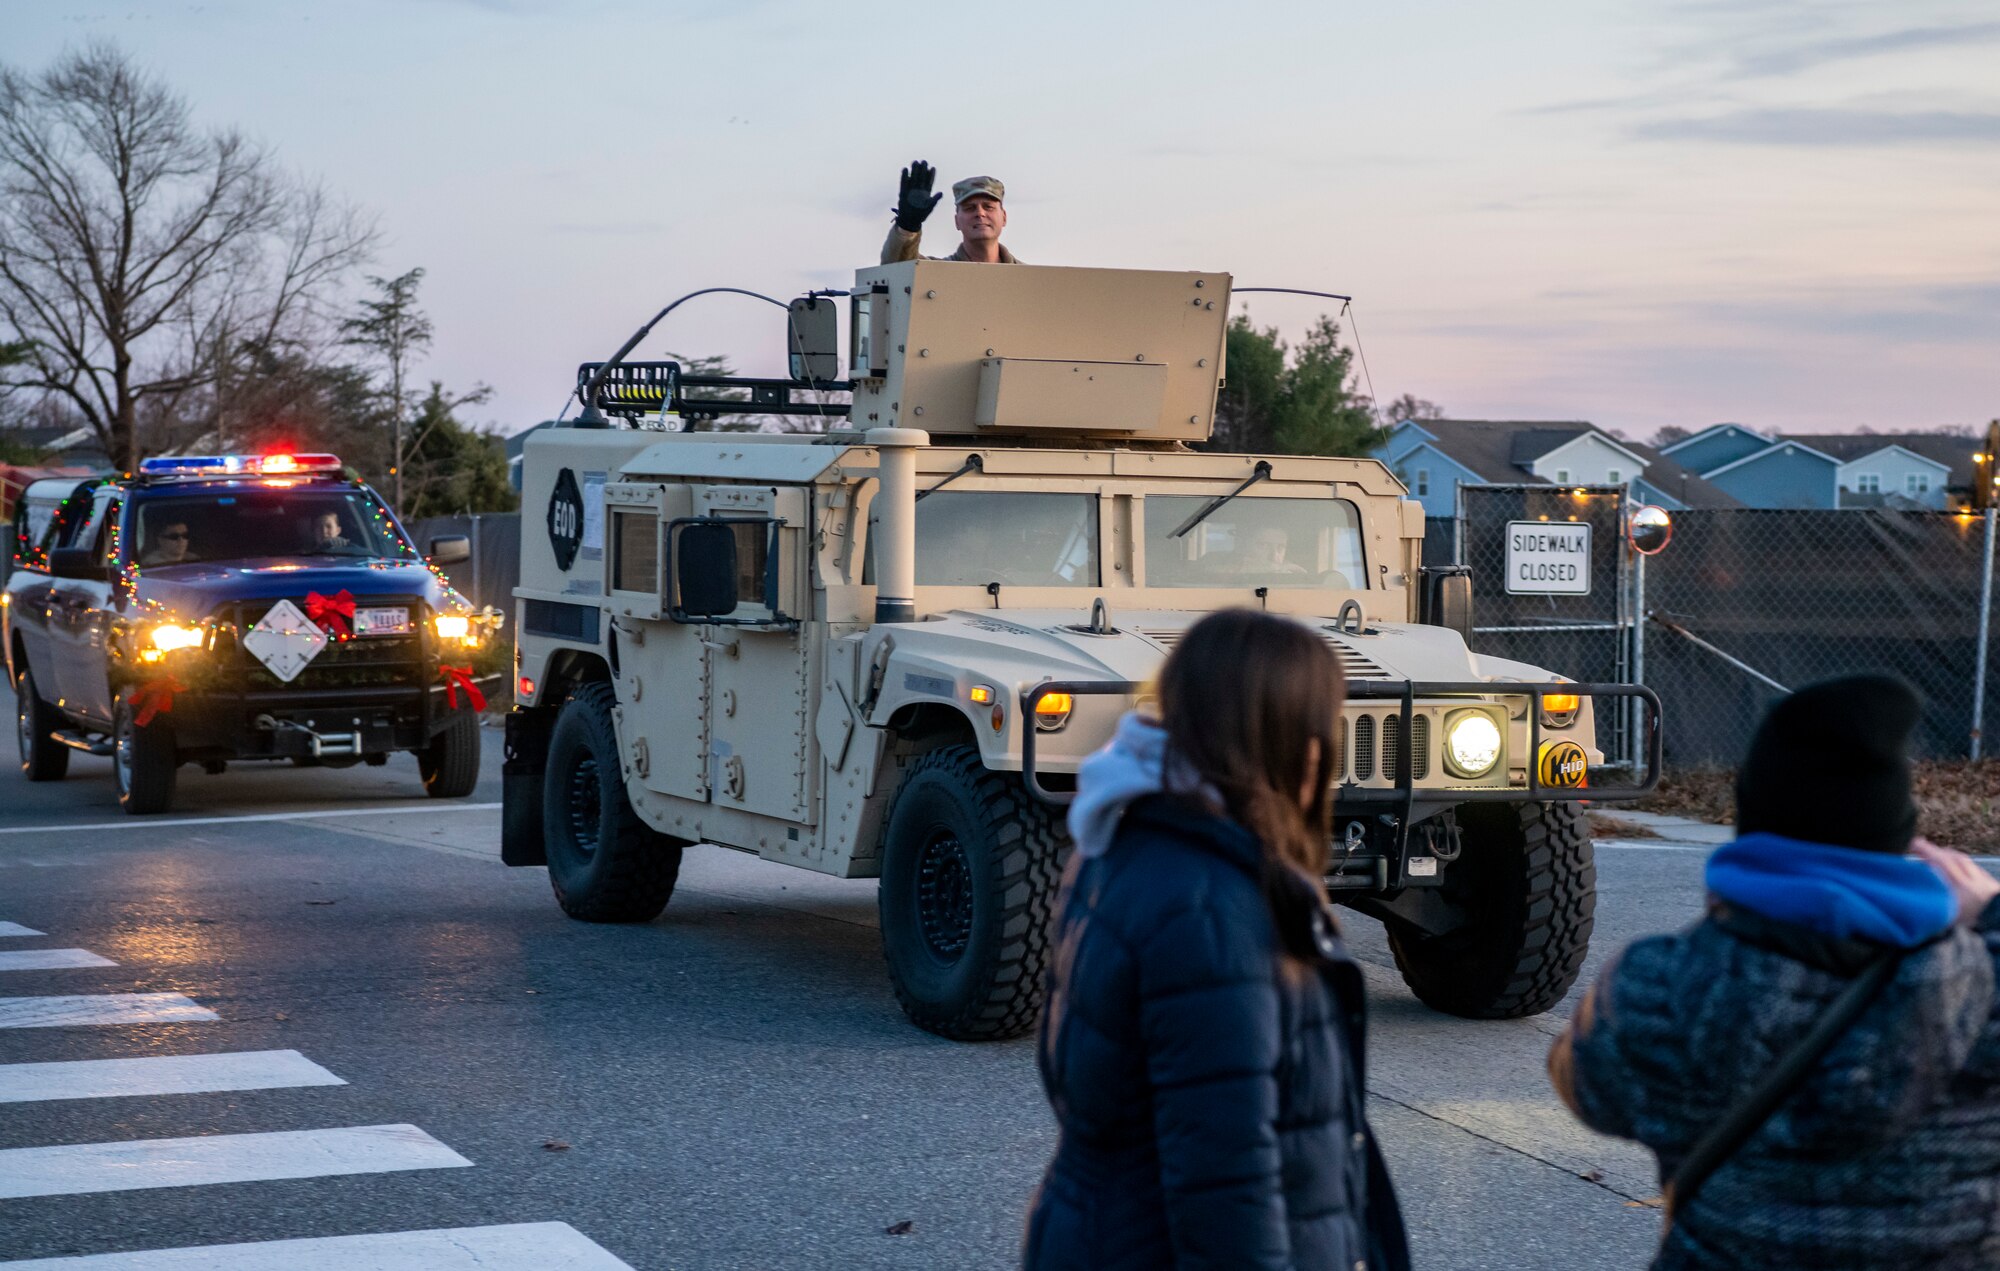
(969, 538)
(256, 524)
(1254, 542)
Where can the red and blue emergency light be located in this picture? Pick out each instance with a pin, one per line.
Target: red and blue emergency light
(271, 465)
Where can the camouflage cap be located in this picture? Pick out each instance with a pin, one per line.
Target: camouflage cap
(988, 186)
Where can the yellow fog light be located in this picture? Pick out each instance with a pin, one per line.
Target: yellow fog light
(452, 626)
(169, 636)
(1052, 711)
(1563, 763)
(1471, 743)
(1559, 709)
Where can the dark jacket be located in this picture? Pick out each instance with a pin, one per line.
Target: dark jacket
(1887, 1157)
(1210, 1101)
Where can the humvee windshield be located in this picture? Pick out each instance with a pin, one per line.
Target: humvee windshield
(256, 523)
(1254, 542)
(968, 538)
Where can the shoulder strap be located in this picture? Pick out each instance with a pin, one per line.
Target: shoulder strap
(1735, 1126)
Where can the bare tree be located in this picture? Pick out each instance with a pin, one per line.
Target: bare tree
(1410, 406)
(139, 255)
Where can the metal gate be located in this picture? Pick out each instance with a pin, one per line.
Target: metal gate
(1582, 628)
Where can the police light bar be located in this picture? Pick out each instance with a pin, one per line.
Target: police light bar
(238, 465)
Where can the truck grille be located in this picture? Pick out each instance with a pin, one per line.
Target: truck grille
(368, 662)
(1377, 734)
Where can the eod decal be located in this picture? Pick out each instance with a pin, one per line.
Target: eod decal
(565, 519)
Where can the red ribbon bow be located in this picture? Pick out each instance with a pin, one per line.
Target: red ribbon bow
(334, 614)
(460, 677)
(155, 697)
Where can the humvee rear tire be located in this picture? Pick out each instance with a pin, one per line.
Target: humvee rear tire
(43, 758)
(970, 868)
(450, 764)
(1527, 879)
(143, 759)
(605, 864)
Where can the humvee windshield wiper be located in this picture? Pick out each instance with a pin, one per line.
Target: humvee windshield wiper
(1263, 471)
(973, 463)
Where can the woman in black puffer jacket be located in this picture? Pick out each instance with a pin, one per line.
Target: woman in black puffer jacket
(1202, 1047)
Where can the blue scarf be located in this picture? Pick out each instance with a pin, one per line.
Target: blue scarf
(1841, 892)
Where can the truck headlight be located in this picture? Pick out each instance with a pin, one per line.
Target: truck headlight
(1471, 743)
(452, 626)
(169, 636)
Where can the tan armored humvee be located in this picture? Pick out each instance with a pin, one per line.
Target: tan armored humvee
(883, 651)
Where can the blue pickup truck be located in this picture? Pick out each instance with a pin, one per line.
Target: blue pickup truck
(240, 607)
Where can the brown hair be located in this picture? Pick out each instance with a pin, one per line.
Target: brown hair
(1241, 698)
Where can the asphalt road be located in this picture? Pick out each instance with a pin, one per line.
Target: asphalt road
(729, 1086)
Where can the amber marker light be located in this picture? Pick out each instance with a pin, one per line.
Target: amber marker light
(1052, 711)
(981, 694)
(1559, 709)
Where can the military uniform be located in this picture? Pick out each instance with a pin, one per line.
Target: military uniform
(903, 244)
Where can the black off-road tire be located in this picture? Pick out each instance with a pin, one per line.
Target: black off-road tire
(143, 762)
(1528, 881)
(605, 864)
(43, 758)
(450, 764)
(970, 868)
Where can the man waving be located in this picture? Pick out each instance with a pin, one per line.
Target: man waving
(980, 212)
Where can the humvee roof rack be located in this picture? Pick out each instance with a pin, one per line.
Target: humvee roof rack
(632, 389)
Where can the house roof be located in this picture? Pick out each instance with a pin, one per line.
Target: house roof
(1943, 449)
(1693, 437)
(1784, 445)
(1488, 447)
(1668, 477)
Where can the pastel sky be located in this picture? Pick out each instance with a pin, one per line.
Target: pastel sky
(1784, 213)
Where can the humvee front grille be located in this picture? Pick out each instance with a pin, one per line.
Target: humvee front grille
(1364, 747)
(1420, 746)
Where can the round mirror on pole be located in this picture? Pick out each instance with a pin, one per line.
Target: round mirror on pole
(1649, 529)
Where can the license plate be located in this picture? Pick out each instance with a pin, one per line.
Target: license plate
(369, 622)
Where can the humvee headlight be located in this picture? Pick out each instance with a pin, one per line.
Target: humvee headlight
(1052, 711)
(169, 636)
(1559, 709)
(452, 626)
(1471, 743)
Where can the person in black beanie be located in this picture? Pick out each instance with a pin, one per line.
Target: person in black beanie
(1886, 1154)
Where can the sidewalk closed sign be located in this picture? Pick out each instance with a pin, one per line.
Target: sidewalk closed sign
(1549, 558)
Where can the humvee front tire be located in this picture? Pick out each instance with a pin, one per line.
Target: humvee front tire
(1527, 882)
(605, 864)
(970, 869)
(43, 758)
(144, 760)
(450, 764)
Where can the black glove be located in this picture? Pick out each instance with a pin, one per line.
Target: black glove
(915, 201)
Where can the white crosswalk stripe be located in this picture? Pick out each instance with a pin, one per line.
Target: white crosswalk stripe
(16, 929)
(160, 1074)
(528, 1246)
(49, 959)
(101, 1008)
(137, 1164)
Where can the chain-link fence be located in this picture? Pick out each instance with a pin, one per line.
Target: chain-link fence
(1743, 605)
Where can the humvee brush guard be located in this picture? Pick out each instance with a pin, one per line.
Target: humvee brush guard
(884, 650)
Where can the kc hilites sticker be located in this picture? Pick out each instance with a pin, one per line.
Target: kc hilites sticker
(565, 519)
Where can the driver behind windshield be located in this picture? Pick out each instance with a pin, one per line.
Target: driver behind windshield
(1265, 551)
(166, 543)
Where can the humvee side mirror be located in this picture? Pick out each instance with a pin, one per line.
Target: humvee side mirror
(812, 339)
(449, 549)
(1445, 599)
(81, 563)
(704, 554)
